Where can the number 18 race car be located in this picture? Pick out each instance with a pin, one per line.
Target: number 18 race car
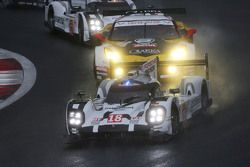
(137, 105)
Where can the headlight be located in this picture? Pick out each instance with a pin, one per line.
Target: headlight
(156, 115)
(179, 53)
(112, 55)
(172, 70)
(95, 25)
(118, 72)
(75, 118)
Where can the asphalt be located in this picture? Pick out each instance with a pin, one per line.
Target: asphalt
(31, 129)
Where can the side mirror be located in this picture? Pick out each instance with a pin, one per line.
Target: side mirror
(174, 91)
(82, 95)
(190, 33)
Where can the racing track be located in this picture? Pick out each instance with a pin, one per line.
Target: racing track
(31, 129)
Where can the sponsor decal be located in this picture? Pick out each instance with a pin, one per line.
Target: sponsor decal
(71, 26)
(183, 109)
(143, 22)
(195, 101)
(134, 120)
(145, 45)
(149, 65)
(59, 20)
(144, 40)
(96, 121)
(119, 108)
(144, 51)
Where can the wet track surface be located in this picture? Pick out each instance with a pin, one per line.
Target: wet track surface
(31, 130)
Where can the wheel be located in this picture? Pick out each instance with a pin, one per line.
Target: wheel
(80, 31)
(175, 120)
(204, 96)
(51, 20)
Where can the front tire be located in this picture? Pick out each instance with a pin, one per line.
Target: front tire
(80, 31)
(175, 120)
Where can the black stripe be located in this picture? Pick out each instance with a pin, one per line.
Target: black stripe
(113, 128)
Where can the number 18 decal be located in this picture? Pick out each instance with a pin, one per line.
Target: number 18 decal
(115, 118)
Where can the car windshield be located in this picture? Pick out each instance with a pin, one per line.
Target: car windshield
(110, 6)
(127, 94)
(124, 33)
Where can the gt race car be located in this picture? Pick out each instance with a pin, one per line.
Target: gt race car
(138, 36)
(82, 17)
(136, 105)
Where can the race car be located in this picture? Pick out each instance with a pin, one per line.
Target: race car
(136, 105)
(140, 35)
(82, 17)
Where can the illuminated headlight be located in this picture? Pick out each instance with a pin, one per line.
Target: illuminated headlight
(119, 72)
(112, 55)
(95, 25)
(179, 53)
(156, 115)
(75, 118)
(172, 70)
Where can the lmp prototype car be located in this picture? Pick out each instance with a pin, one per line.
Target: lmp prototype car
(136, 105)
(139, 36)
(82, 17)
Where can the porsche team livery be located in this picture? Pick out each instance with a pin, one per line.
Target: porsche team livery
(137, 105)
(139, 36)
(82, 17)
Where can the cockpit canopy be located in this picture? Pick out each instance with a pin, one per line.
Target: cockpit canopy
(130, 91)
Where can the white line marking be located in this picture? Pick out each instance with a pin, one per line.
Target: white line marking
(29, 77)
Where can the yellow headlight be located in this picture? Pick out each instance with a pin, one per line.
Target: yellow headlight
(179, 53)
(112, 55)
(172, 69)
(119, 72)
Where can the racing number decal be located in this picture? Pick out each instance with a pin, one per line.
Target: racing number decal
(115, 118)
(71, 27)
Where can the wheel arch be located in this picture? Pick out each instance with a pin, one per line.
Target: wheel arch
(193, 84)
(58, 8)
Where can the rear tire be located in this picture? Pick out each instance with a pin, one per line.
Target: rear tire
(204, 96)
(80, 31)
(51, 21)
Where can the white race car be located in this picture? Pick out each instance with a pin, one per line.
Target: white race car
(136, 104)
(82, 17)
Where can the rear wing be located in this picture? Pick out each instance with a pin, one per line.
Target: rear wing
(196, 62)
(149, 66)
(144, 11)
